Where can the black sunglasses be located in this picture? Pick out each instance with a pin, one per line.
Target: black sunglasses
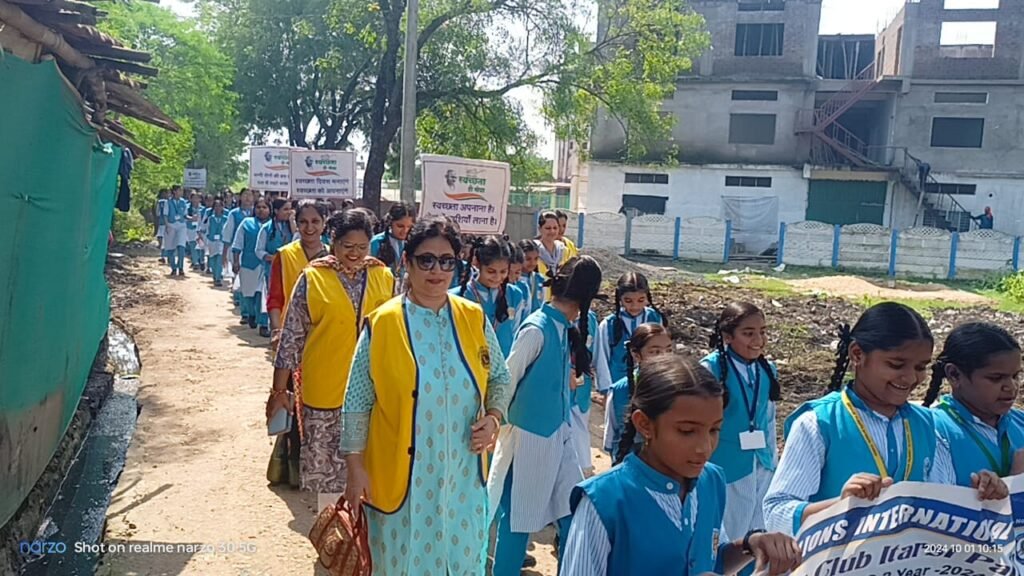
(427, 262)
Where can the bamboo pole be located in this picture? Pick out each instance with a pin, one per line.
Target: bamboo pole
(118, 106)
(16, 18)
(106, 51)
(109, 134)
(57, 5)
(140, 104)
(89, 33)
(116, 77)
(125, 66)
(55, 19)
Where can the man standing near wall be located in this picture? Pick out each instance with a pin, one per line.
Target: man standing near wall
(986, 220)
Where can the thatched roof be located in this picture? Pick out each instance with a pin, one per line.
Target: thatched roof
(98, 66)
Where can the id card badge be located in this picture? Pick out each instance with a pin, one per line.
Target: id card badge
(753, 440)
(216, 237)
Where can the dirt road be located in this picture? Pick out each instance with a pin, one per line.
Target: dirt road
(193, 498)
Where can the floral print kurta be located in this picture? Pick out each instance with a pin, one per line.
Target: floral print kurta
(441, 528)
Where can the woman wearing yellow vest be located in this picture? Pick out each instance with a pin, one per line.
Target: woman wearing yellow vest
(553, 252)
(563, 223)
(321, 326)
(290, 260)
(427, 391)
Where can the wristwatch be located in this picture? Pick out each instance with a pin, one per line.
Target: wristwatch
(746, 542)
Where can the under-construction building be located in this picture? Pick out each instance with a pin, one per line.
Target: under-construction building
(921, 124)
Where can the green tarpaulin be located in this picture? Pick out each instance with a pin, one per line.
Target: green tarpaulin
(57, 192)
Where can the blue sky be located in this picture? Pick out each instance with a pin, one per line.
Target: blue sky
(837, 17)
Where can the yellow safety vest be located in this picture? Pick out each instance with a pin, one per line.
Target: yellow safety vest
(543, 268)
(391, 444)
(293, 262)
(336, 323)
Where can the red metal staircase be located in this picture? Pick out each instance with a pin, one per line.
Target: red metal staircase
(833, 143)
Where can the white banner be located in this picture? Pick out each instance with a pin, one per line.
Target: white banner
(913, 529)
(323, 174)
(268, 168)
(473, 193)
(195, 178)
(1016, 486)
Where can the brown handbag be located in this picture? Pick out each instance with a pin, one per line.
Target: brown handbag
(341, 542)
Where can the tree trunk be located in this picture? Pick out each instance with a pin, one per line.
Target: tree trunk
(382, 109)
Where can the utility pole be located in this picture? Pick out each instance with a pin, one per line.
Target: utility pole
(408, 162)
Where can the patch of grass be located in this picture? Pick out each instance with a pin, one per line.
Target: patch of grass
(923, 307)
(771, 287)
(792, 331)
(1003, 302)
(768, 286)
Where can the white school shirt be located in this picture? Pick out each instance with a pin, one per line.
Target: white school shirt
(263, 236)
(798, 475)
(545, 469)
(587, 543)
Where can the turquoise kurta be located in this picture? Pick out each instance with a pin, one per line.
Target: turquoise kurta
(441, 528)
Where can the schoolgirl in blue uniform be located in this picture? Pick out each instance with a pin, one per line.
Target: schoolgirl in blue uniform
(748, 449)
(161, 223)
(388, 245)
(535, 465)
(582, 401)
(464, 264)
(216, 220)
(175, 231)
(633, 307)
(249, 267)
(274, 235)
(236, 215)
(660, 511)
(195, 214)
(530, 280)
(864, 436)
(983, 365)
(649, 341)
(501, 301)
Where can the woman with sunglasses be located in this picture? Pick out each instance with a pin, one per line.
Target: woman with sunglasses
(321, 325)
(426, 394)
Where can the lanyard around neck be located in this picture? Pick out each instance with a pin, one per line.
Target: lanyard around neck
(1002, 468)
(755, 381)
(879, 462)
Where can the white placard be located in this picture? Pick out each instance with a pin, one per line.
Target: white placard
(323, 174)
(473, 193)
(268, 168)
(912, 528)
(195, 178)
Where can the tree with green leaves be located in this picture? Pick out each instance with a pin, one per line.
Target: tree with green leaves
(298, 68)
(194, 86)
(472, 55)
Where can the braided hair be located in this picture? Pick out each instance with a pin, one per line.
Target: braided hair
(643, 334)
(661, 381)
(528, 247)
(276, 206)
(630, 282)
(470, 243)
(488, 250)
(579, 281)
(396, 212)
(728, 322)
(969, 347)
(884, 326)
